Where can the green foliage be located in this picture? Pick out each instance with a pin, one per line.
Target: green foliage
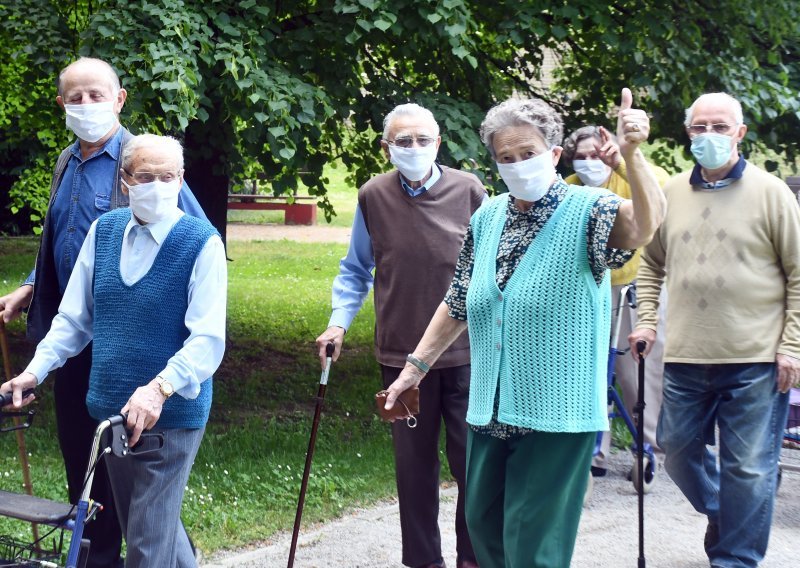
(285, 87)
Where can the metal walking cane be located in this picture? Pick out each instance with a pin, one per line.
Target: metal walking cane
(639, 410)
(23, 452)
(323, 383)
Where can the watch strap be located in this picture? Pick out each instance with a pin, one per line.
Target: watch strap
(418, 363)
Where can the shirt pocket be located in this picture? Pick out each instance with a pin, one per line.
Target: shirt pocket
(102, 202)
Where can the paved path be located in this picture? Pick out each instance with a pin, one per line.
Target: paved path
(608, 535)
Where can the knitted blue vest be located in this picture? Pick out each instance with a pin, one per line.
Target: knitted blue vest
(138, 328)
(545, 336)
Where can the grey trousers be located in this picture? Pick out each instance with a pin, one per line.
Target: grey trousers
(148, 492)
(627, 374)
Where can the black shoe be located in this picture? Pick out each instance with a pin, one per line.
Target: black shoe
(712, 536)
(599, 471)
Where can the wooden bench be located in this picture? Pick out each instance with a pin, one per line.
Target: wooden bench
(302, 210)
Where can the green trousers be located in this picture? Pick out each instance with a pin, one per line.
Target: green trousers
(525, 497)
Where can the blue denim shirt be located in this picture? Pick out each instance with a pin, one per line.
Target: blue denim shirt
(83, 195)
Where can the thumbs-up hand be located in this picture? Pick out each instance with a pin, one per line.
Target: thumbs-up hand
(633, 125)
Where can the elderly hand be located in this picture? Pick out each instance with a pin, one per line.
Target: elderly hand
(11, 305)
(334, 334)
(143, 409)
(16, 386)
(608, 150)
(410, 377)
(633, 124)
(641, 334)
(788, 374)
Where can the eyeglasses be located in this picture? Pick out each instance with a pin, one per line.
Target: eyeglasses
(716, 128)
(408, 141)
(148, 177)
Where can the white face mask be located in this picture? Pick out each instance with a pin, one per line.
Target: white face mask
(529, 179)
(155, 201)
(593, 173)
(414, 163)
(91, 122)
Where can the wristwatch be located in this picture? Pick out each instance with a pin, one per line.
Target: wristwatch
(165, 387)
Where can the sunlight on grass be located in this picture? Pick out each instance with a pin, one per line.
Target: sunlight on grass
(246, 477)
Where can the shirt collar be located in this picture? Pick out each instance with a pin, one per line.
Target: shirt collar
(436, 173)
(159, 230)
(696, 179)
(111, 147)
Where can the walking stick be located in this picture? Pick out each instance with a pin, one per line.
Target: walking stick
(323, 383)
(23, 452)
(639, 409)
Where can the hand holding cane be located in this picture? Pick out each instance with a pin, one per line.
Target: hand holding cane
(323, 383)
(23, 452)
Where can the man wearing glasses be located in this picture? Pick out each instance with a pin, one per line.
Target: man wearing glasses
(408, 228)
(730, 247)
(86, 184)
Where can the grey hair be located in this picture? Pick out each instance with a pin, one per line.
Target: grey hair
(571, 142)
(407, 109)
(522, 112)
(738, 115)
(112, 75)
(167, 144)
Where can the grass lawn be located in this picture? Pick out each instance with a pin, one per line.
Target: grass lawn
(246, 479)
(341, 194)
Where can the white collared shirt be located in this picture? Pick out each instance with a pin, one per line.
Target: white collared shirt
(202, 351)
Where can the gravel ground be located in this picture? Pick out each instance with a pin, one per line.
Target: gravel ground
(608, 534)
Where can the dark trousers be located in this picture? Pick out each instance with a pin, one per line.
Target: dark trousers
(444, 394)
(75, 433)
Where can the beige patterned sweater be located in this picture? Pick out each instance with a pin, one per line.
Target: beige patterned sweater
(731, 260)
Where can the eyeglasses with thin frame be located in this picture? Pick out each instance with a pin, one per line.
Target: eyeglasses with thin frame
(408, 141)
(716, 128)
(148, 177)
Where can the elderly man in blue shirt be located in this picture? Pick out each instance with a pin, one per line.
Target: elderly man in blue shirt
(149, 292)
(86, 184)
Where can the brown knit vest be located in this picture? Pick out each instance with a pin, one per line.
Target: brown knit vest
(416, 241)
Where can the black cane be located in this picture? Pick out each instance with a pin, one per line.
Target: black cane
(640, 347)
(323, 383)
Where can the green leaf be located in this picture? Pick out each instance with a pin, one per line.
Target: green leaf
(286, 153)
(433, 18)
(277, 131)
(382, 25)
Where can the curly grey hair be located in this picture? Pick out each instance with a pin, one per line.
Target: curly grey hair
(735, 107)
(167, 144)
(407, 109)
(521, 112)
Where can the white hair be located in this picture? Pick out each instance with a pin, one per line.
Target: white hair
(103, 67)
(407, 109)
(167, 145)
(736, 107)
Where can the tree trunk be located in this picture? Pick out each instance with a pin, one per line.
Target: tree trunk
(207, 147)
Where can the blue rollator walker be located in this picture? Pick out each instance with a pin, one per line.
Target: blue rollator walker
(61, 516)
(626, 300)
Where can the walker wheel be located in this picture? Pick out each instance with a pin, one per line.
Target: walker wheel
(649, 474)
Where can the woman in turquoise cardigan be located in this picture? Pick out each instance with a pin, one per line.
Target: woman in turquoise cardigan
(532, 287)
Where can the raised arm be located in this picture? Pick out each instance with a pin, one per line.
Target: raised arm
(639, 217)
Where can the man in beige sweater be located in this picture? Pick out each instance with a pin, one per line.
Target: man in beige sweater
(730, 244)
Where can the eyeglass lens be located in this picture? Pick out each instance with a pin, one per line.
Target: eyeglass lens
(716, 128)
(408, 141)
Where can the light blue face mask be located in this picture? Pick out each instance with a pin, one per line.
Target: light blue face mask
(712, 151)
